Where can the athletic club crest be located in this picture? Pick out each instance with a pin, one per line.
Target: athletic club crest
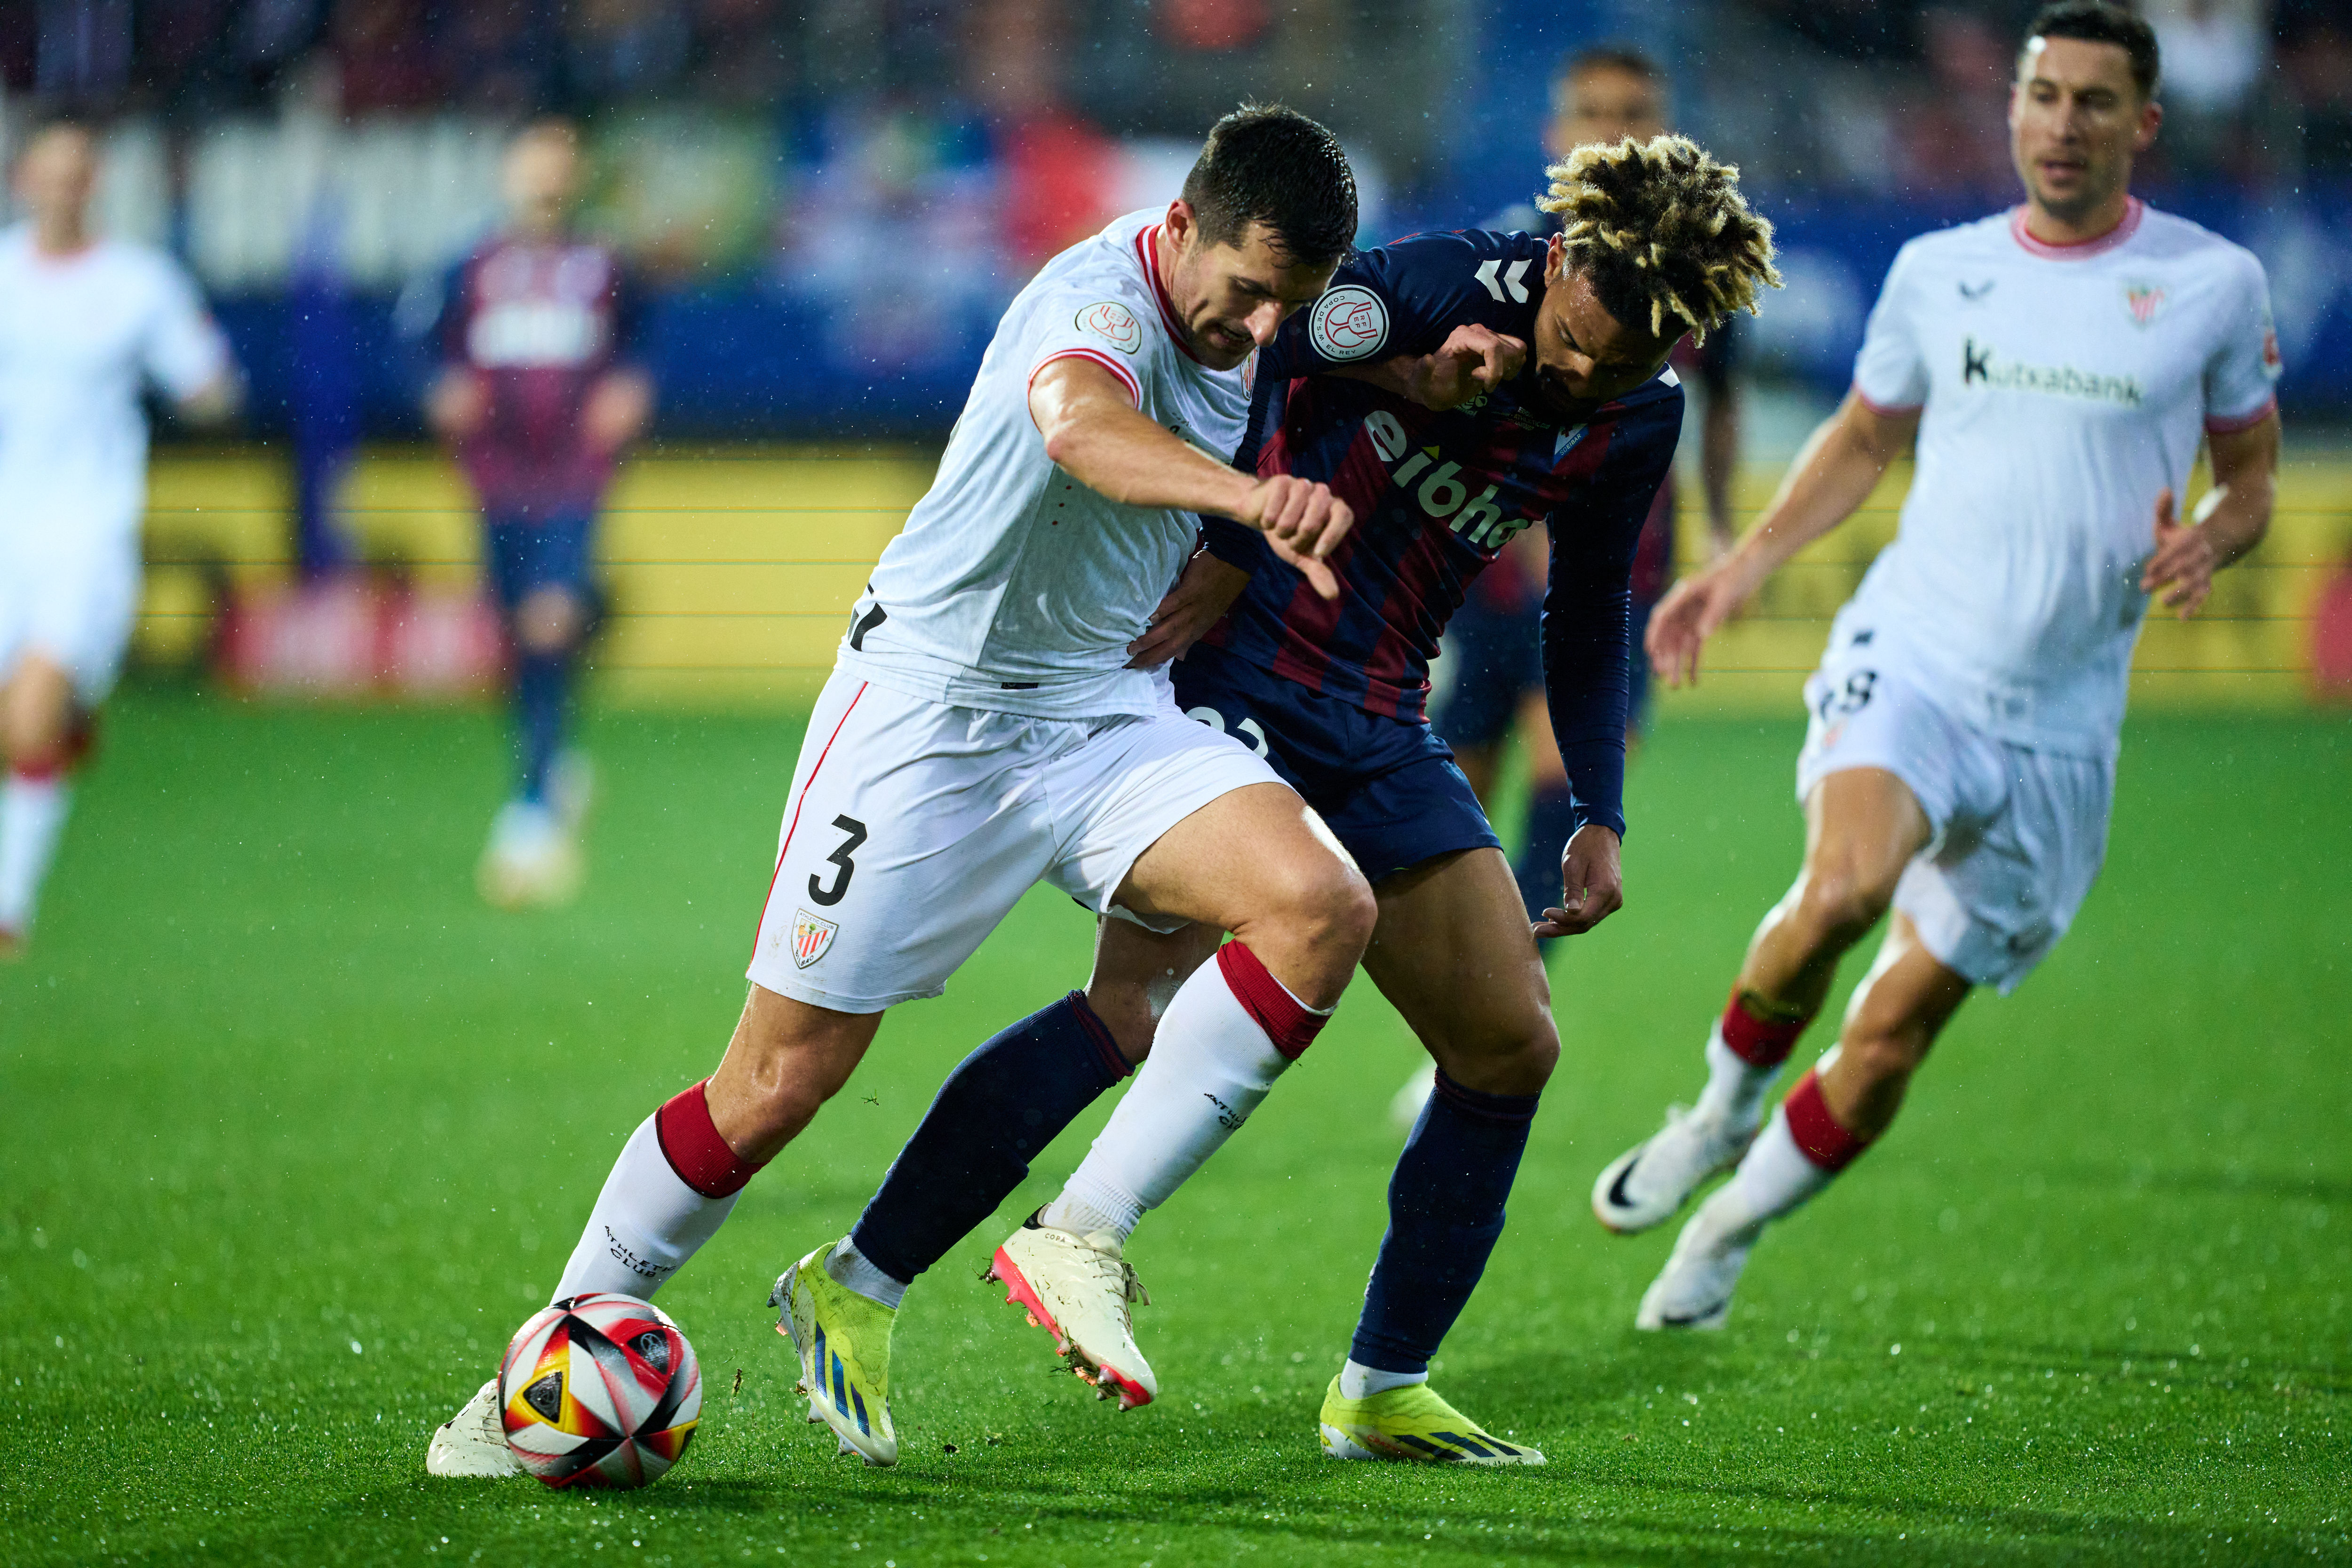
(811, 937)
(2142, 300)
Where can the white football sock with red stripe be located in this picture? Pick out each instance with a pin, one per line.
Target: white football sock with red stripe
(1231, 1030)
(32, 815)
(672, 1186)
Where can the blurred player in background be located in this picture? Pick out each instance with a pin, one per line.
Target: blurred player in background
(1494, 682)
(84, 323)
(538, 390)
(1450, 452)
(2054, 367)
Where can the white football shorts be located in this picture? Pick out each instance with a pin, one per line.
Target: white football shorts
(914, 826)
(2020, 834)
(73, 604)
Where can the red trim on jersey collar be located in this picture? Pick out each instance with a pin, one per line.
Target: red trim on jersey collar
(1147, 245)
(2081, 249)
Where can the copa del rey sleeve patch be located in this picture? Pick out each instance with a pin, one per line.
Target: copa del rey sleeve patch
(1348, 324)
(1114, 323)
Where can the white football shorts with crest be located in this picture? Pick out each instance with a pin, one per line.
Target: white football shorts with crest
(2020, 834)
(914, 826)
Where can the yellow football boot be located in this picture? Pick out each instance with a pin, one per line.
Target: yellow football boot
(843, 1340)
(1412, 1423)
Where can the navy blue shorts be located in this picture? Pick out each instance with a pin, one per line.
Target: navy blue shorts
(1496, 659)
(530, 554)
(1388, 787)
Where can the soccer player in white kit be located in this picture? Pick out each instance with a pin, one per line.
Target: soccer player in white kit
(984, 730)
(2056, 366)
(84, 323)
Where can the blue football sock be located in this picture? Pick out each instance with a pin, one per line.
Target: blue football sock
(1000, 1107)
(1445, 1211)
(543, 698)
(1551, 817)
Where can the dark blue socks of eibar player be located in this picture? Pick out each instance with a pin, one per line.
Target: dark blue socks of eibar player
(998, 1109)
(542, 694)
(1445, 1211)
(1551, 818)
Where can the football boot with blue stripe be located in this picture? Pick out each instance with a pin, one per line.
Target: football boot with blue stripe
(843, 1340)
(1412, 1423)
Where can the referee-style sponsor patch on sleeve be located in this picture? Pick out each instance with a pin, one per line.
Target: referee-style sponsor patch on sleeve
(1348, 324)
(1114, 323)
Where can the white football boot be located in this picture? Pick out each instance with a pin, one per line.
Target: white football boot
(1078, 1289)
(532, 860)
(1405, 1105)
(474, 1441)
(1693, 1290)
(1649, 1182)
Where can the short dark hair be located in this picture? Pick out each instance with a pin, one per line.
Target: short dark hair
(1265, 163)
(2097, 21)
(1624, 57)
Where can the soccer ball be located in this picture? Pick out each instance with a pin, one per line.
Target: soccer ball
(600, 1389)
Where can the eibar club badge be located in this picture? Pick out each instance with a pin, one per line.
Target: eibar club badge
(2144, 300)
(811, 937)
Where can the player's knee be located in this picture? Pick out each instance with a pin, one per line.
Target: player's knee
(1320, 902)
(1839, 903)
(1128, 1010)
(1884, 1056)
(35, 735)
(548, 620)
(1513, 1053)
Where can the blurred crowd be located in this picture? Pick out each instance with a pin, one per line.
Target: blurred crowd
(736, 122)
(1898, 93)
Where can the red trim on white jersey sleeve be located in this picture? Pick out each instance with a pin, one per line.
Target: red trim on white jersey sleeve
(2216, 424)
(1126, 376)
(1885, 410)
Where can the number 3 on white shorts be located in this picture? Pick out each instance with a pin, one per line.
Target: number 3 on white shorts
(1247, 731)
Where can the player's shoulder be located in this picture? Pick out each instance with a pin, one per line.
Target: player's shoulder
(1656, 403)
(1960, 245)
(1101, 283)
(1454, 253)
(2168, 236)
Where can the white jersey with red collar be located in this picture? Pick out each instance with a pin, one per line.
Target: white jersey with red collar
(2060, 391)
(1014, 588)
(79, 335)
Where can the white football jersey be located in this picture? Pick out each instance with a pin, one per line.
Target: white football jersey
(1014, 588)
(2060, 391)
(78, 336)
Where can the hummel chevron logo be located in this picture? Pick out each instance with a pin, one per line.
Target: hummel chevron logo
(1510, 279)
(1979, 291)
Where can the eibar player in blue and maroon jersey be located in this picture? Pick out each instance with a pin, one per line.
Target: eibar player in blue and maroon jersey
(1492, 687)
(1454, 389)
(539, 391)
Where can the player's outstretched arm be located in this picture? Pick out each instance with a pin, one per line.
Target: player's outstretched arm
(1094, 434)
(1473, 360)
(2230, 522)
(1839, 466)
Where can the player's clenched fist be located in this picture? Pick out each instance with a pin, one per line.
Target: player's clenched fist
(1304, 522)
(1471, 361)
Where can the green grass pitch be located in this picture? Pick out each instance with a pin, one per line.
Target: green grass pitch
(293, 1133)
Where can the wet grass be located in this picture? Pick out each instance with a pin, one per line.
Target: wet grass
(293, 1133)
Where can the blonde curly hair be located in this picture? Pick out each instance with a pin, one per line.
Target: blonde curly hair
(1662, 232)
